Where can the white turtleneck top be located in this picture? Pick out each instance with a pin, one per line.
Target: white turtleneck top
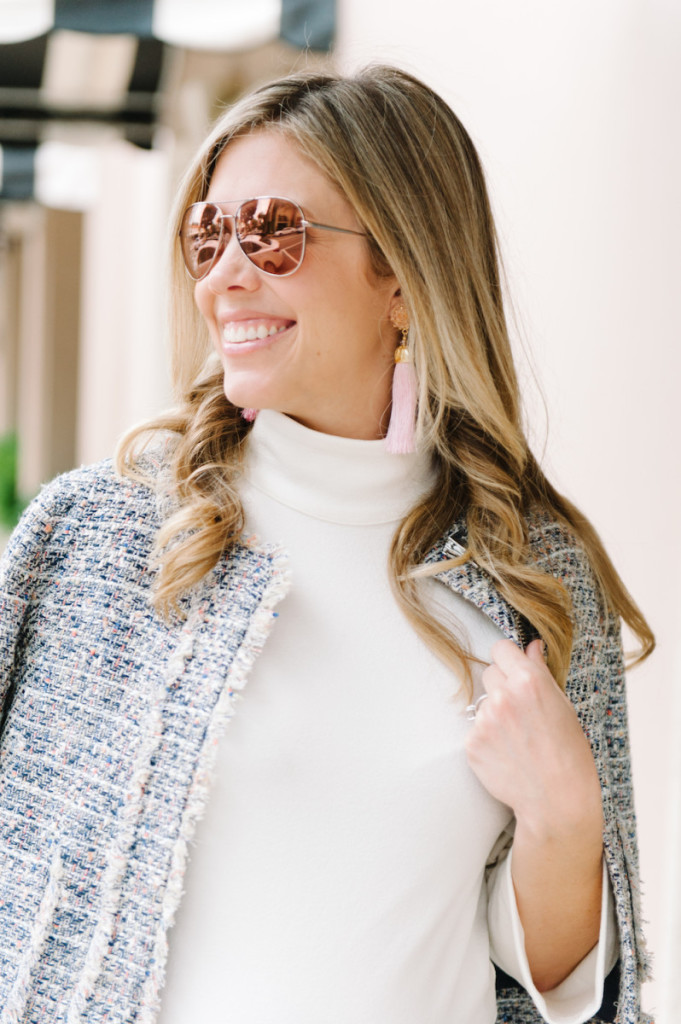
(339, 873)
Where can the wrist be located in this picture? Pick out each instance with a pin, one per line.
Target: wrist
(580, 828)
(562, 813)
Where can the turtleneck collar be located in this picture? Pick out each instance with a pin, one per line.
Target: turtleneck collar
(337, 479)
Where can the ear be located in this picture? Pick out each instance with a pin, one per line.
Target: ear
(395, 301)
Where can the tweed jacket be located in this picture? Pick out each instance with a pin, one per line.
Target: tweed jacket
(110, 728)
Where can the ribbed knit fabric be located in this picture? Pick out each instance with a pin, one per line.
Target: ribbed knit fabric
(339, 871)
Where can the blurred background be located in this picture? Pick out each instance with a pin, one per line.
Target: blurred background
(574, 109)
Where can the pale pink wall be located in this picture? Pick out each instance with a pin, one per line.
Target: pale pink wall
(574, 108)
(123, 361)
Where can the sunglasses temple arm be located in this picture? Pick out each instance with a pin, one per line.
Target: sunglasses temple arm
(328, 227)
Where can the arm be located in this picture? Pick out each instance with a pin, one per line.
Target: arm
(22, 565)
(557, 881)
(528, 749)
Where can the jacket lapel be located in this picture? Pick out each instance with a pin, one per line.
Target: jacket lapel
(196, 696)
(477, 586)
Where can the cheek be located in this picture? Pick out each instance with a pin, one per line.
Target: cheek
(204, 304)
(201, 300)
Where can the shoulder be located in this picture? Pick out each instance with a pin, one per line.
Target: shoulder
(556, 549)
(553, 548)
(84, 510)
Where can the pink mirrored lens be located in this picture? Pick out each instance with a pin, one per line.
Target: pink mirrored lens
(272, 234)
(201, 238)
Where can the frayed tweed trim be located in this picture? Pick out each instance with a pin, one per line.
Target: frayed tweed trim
(13, 1009)
(114, 873)
(257, 633)
(634, 960)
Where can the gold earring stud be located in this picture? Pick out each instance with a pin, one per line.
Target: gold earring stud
(399, 318)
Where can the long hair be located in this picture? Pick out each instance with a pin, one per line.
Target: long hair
(405, 163)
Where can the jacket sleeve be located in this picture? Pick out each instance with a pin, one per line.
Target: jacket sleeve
(23, 570)
(596, 687)
(611, 740)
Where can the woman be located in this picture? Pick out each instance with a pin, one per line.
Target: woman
(385, 817)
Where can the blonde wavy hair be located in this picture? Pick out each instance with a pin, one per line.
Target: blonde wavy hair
(404, 161)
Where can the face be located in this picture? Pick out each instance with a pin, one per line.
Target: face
(327, 355)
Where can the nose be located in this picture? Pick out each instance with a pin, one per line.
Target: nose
(232, 269)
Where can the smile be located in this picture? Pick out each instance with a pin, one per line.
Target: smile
(233, 333)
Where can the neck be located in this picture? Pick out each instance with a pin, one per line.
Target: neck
(339, 479)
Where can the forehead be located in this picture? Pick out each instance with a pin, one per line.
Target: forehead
(268, 163)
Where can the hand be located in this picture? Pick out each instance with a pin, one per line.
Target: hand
(527, 748)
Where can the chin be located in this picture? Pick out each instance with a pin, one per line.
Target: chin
(243, 398)
(248, 398)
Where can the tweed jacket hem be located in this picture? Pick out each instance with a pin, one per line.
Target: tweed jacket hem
(113, 718)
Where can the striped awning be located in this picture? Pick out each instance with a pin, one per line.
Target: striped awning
(72, 70)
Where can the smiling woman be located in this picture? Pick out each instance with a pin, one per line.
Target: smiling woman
(422, 808)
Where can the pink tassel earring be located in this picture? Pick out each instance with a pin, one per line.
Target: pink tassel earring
(249, 414)
(400, 437)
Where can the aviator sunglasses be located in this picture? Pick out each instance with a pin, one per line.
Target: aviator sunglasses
(271, 233)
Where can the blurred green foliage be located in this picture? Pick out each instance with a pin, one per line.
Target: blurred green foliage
(11, 506)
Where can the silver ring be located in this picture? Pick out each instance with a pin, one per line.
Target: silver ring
(472, 709)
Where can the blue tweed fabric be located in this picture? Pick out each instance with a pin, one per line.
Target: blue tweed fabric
(113, 720)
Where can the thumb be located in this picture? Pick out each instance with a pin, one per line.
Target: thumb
(535, 651)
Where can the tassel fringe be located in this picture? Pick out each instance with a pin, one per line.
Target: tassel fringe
(400, 437)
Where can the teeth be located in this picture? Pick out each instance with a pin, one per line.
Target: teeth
(233, 333)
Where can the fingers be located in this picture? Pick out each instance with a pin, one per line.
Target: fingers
(515, 676)
(510, 662)
(515, 669)
(516, 663)
(493, 678)
(535, 652)
(508, 656)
